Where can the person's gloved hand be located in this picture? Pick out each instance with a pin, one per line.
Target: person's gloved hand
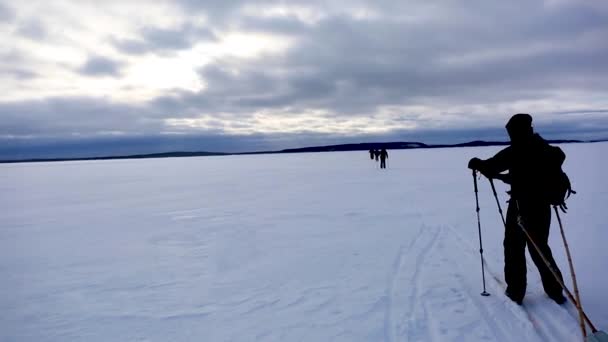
(474, 163)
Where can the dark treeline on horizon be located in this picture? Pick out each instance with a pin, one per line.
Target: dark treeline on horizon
(400, 145)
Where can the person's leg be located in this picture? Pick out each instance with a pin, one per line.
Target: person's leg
(515, 257)
(539, 222)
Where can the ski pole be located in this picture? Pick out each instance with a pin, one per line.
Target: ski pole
(576, 293)
(579, 307)
(502, 216)
(550, 267)
(483, 276)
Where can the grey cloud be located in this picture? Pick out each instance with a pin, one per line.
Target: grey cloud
(215, 10)
(415, 53)
(13, 67)
(100, 66)
(72, 116)
(582, 112)
(92, 116)
(357, 65)
(6, 13)
(252, 82)
(592, 128)
(281, 25)
(17, 73)
(157, 40)
(100, 145)
(347, 65)
(33, 30)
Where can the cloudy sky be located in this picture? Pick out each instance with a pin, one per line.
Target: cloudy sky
(80, 77)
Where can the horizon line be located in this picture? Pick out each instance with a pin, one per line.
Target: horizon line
(397, 145)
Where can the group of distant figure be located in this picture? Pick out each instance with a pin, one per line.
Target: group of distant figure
(381, 155)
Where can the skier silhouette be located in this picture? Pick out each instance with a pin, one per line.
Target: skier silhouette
(383, 157)
(528, 159)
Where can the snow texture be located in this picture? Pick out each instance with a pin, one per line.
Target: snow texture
(288, 247)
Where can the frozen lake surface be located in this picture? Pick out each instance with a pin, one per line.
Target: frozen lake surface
(287, 247)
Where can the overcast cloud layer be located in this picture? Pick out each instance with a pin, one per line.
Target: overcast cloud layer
(90, 77)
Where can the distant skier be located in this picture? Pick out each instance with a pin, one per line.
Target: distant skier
(383, 156)
(371, 154)
(529, 160)
(377, 154)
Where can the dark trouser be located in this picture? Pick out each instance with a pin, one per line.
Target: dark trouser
(536, 218)
(382, 163)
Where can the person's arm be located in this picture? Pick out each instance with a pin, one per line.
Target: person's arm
(493, 167)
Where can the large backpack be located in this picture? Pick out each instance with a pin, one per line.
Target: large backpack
(559, 187)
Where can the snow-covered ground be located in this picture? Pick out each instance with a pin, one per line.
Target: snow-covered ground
(292, 247)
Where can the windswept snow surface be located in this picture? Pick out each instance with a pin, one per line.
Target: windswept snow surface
(291, 247)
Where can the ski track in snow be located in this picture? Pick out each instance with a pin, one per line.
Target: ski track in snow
(421, 307)
(428, 318)
(549, 324)
(414, 296)
(398, 280)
